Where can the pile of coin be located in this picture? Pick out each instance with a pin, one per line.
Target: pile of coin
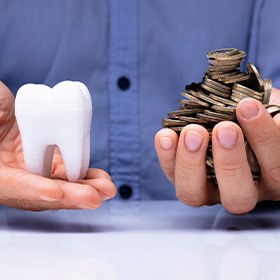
(215, 98)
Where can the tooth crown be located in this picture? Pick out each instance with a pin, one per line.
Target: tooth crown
(58, 116)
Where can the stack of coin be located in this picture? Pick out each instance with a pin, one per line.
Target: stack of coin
(224, 64)
(215, 98)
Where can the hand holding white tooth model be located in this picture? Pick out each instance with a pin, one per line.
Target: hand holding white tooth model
(58, 116)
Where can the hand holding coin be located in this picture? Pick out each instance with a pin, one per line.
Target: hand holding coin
(244, 173)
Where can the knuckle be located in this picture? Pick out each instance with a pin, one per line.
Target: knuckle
(264, 137)
(192, 164)
(230, 169)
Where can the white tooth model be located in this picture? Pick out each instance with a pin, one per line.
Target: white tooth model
(58, 116)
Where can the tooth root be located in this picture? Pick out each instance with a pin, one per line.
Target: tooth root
(86, 156)
(72, 154)
(38, 157)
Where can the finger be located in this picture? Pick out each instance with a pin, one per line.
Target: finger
(97, 178)
(276, 119)
(94, 173)
(104, 186)
(166, 144)
(190, 169)
(76, 196)
(6, 104)
(264, 137)
(20, 184)
(275, 96)
(238, 192)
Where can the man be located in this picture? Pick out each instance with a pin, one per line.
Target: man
(135, 57)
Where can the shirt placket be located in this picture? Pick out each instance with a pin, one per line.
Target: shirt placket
(123, 98)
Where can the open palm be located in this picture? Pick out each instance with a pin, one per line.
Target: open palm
(21, 189)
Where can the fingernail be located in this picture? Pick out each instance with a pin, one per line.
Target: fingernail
(227, 136)
(249, 109)
(48, 198)
(166, 143)
(193, 140)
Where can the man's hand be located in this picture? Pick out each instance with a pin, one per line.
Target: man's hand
(23, 190)
(183, 159)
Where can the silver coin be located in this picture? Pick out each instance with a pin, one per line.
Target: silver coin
(217, 76)
(235, 56)
(192, 119)
(222, 68)
(209, 118)
(190, 104)
(189, 111)
(224, 62)
(172, 122)
(267, 84)
(176, 128)
(248, 91)
(225, 109)
(255, 78)
(248, 94)
(216, 85)
(208, 99)
(193, 98)
(273, 110)
(223, 100)
(215, 91)
(226, 117)
(236, 79)
(237, 97)
(209, 161)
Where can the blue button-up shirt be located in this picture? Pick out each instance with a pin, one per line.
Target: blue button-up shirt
(158, 46)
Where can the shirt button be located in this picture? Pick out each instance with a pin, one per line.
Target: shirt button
(125, 191)
(123, 83)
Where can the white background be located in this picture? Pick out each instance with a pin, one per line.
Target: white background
(140, 240)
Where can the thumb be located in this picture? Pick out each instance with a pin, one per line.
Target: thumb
(275, 96)
(22, 185)
(7, 104)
